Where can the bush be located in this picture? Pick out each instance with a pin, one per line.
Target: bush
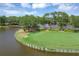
(76, 30)
(56, 29)
(68, 30)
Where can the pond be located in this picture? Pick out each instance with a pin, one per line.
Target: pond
(10, 47)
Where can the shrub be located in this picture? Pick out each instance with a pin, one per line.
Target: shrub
(76, 30)
(68, 30)
(56, 29)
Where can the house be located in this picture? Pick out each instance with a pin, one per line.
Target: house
(52, 26)
(46, 26)
(69, 27)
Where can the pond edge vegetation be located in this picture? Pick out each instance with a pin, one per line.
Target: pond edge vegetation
(55, 21)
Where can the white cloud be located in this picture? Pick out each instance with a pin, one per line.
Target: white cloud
(18, 12)
(66, 7)
(55, 4)
(30, 13)
(75, 8)
(11, 11)
(9, 5)
(25, 5)
(39, 5)
(6, 6)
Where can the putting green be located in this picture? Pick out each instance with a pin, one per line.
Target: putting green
(51, 40)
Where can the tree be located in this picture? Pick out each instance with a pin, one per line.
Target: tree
(13, 20)
(28, 22)
(2, 20)
(75, 20)
(48, 18)
(62, 19)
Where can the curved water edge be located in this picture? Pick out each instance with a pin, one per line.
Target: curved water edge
(43, 48)
(9, 46)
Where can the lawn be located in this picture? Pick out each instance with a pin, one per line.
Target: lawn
(50, 39)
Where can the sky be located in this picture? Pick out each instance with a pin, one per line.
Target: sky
(37, 9)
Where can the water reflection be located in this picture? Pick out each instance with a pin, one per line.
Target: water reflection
(10, 47)
(2, 29)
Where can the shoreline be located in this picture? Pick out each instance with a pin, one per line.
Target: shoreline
(19, 38)
(14, 26)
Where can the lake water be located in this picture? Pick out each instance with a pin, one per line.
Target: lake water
(10, 47)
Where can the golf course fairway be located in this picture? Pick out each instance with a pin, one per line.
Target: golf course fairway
(51, 39)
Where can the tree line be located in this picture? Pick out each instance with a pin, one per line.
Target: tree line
(30, 21)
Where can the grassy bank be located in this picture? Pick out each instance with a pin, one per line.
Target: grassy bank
(20, 34)
(3, 26)
(51, 40)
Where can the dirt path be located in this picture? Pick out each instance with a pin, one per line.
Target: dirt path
(22, 33)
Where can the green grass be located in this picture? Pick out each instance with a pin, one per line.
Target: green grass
(3, 26)
(61, 40)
